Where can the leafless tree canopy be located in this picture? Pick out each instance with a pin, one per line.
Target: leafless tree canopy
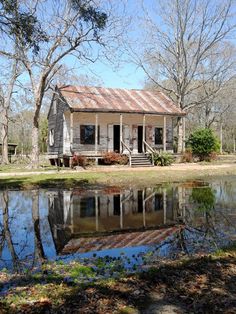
(187, 49)
(67, 28)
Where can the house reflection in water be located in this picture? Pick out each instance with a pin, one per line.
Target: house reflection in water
(75, 213)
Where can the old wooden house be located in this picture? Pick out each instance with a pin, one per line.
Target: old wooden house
(93, 120)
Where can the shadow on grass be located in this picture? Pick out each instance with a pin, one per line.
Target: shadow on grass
(201, 285)
(50, 182)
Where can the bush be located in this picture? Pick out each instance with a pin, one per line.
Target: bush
(112, 158)
(162, 159)
(79, 160)
(187, 156)
(203, 143)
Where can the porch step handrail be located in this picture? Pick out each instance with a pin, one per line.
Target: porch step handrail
(150, 149)
(129, 150)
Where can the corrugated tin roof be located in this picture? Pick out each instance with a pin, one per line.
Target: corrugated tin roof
(124, 240)
(100, 99)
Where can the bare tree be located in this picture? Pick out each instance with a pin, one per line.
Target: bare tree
(6, 92)
(72, 27)
(181, 39)
(66, 28)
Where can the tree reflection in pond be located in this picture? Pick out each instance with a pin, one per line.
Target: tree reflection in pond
(204, 198)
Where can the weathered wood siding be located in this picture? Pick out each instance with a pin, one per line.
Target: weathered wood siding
(106, 122)
(56, 122)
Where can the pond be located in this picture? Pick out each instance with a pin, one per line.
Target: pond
(163, 221)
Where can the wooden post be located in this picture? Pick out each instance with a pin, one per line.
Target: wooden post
(144, 133)
(96, 211)
(144, 209)
(121, 132)
(72, 213)
(121, 215)
(164, 133)
(164, 205)
(183, 150)
(96, 137)
(71, 130)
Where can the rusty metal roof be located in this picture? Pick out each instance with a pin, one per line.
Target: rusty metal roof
(124, 240)
(101, 99)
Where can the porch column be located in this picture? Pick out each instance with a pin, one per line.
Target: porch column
(96, 210)
(164, 205)
(121, 216)
(71, 130)
(121, 132)
(183, 150)
(144, 133)
(96, 137)
(72, 214)
(164, 133)
(144, 210)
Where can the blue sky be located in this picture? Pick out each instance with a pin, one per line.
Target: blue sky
(126, 74)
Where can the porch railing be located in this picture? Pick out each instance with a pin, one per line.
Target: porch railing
(128, 149)
(150, 150)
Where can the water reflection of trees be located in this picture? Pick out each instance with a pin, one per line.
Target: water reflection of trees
(6, 233)
(16, 247)
(205, 226)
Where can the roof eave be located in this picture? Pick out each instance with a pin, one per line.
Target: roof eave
(127, 111)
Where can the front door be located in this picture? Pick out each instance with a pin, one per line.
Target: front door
(140, 139)
(116, 138)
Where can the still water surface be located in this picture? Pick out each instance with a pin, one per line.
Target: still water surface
(171, 219)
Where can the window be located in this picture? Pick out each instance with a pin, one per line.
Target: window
(158, 202)
(158, 136)
(51, 137)
(87, 207)
(87, 134)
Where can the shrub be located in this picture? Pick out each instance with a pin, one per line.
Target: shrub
(187, 156)
(113, 158)
(79, 160)
(203, 143)
(162, 159)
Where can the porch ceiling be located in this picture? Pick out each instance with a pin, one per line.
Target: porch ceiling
(100, 99)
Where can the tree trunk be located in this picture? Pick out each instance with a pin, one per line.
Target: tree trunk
(39, 251)
(35, 147)
(39, 93)
(7, 232)
(180, 135)
(5, 159)
(35, 138)
(6, 102)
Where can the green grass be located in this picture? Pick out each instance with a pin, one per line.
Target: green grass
(122, 178)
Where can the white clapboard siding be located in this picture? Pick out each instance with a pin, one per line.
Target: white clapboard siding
(66, 137)
(126, 137)
(110, 137)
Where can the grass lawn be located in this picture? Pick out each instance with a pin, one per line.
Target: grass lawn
(110, 176)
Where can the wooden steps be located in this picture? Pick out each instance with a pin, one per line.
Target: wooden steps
(140, 160)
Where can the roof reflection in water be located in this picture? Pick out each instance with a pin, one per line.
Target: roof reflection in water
(131, 239)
